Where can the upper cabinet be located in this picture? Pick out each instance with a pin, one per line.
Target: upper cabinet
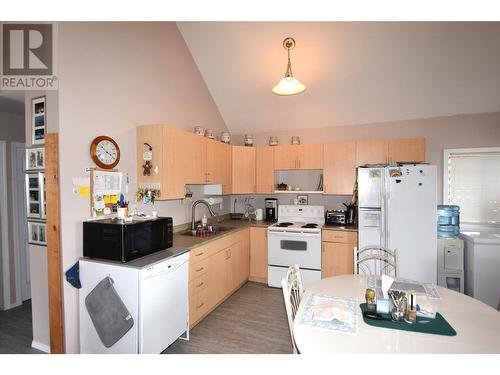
(371, 152)
(219, 165)
(379, 151)
(264, 169)
(298, 157)
(406, 150)
(243, 170)
(339, 171)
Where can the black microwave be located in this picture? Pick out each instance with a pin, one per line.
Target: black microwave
(114, 239)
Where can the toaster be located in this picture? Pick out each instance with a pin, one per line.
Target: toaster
(335, 217)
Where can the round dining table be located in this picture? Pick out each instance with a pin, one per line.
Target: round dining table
(477, 325)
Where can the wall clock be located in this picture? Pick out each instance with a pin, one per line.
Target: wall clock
(105, 152)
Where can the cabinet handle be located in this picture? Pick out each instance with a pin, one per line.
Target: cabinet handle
(200, 284)
(200, 305)
(197, 255)
(200, 269)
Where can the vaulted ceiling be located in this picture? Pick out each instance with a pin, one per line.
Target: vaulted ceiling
(354, 72)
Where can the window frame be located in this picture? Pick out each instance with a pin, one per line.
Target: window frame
(446, 155)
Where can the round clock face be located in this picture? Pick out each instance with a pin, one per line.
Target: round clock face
(105, 152)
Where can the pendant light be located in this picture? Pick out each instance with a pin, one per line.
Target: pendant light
(289, 85)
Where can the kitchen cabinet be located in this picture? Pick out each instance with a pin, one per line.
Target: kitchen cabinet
(216, 270)
(298, 157)
(339, 169)
(258, 254)
(406, 150)
(176, 159)
(380, 151)
(243, 170)
(218, 168)
(373, 151)
(264, 169)
(337, 253)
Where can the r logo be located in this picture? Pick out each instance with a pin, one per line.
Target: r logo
(27, 49)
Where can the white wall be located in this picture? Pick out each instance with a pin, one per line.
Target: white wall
(113, 77)
(11, 130)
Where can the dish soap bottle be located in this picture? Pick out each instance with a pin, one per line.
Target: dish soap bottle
(204, 221)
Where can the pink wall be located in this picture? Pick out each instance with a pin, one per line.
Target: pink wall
(475, 130)
(113, 77)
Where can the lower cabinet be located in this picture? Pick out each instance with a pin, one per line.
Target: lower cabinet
(216, 270)
(258, 254)
(337, 253)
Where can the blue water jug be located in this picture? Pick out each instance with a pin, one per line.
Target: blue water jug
(448, 220)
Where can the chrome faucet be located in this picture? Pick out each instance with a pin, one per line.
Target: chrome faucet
(193, 211)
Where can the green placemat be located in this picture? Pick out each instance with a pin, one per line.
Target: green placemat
(437, 326)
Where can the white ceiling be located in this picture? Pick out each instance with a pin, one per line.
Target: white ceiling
(354, 72)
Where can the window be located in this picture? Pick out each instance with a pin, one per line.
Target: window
(472, 181)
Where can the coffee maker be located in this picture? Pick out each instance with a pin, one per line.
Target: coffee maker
(271, 205)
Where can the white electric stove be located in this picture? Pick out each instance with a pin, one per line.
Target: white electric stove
(295, 239)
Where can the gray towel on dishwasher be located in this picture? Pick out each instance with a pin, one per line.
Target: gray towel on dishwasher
(111, 318)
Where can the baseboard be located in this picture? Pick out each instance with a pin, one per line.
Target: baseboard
(262, 280)
(12, 305)
(38, 345)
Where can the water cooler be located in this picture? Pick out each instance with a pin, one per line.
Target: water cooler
(450, 249)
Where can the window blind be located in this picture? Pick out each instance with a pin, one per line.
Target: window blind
(474, 185)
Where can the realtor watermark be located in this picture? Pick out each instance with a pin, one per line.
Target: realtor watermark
(28, 56)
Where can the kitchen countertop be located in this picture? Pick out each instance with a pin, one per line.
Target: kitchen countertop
(192, 242)
(348, 228)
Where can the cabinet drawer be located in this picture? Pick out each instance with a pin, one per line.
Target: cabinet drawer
(340, 236)
(198, 284)
(198, 305)
(198, 269)
(200, 253)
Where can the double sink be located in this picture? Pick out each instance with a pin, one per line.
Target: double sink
(209, 231)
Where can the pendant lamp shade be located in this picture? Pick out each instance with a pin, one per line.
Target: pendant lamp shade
(289, 85)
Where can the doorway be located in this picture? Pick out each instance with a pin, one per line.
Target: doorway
(22, 259)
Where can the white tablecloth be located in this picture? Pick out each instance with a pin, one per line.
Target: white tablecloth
(477, 325)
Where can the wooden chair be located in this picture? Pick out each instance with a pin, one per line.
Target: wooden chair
(374, 260)
(292, 292)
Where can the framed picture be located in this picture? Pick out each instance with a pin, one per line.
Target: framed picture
(35, 158)
(302, 199)
(38, 123)
(37, 234)
(35, 195)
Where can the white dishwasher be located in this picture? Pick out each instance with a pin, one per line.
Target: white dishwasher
(155, 292)
(163, 304)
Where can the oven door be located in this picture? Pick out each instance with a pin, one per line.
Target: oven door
(286, 248)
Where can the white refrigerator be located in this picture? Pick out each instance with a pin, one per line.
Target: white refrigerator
(397, 210)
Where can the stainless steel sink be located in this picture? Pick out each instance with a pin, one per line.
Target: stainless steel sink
(215, 230)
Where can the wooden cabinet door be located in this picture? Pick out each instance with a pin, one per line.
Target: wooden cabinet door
(217, 277)
(310, 156)
(407, 150)
(243, 170)
(174, 157)
(264, 169)
(285, 157)
(258, 254)
(195, 167)
(218, 167)
(339, 170)
(371, 152)
(337, 259)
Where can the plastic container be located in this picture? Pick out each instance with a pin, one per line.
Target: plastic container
(448, 220)
(448, 215)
